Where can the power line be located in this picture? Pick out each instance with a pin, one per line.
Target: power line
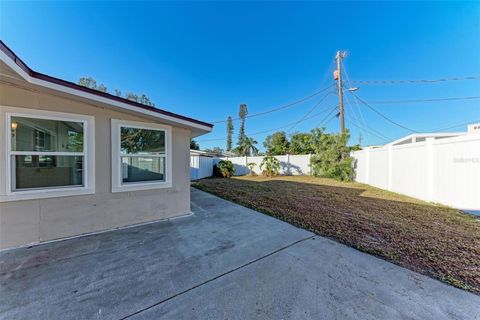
(281, 107)
(324, 122)
(415, 80)
(370, 131)
(423, 100)
(273, 129)
(457, 125)
(367, 129)
(382, 115)
(357, 106)
(328, 121)
(310, 111)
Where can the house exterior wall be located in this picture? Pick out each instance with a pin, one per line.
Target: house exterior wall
(33, 221)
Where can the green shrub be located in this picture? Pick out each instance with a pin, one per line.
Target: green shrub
(270, 166)
(224, 169)
(332, 156)
(250, 166)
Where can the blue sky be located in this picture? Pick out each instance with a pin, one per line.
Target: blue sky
(204, 59)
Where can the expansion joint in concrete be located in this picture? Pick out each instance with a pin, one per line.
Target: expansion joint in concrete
(217, 277)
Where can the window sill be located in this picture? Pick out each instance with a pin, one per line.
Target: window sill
(45, 194)
(141, 186)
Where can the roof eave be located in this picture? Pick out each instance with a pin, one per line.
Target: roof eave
(36, 78)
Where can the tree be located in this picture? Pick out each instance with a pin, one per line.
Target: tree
(143, 99)
(91, 83)
(332, 156)
(251, 166)
(137, 140)
(224, 169)
(242, 113)
(302, 143)
(215, 150)
(270, 166)
(229, 133)
(247, 148)
(276, 144)
(194, 145)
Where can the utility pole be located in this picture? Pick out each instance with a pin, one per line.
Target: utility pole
(338, 77)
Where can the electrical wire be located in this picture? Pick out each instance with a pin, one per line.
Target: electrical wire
(415, 81)
(328, 121)
(370, 130)
(422, 100)
(281, 107)
(365, 128)
(457, 125)
(324, 121)
(382, 115)
(357, 106)
(273, 129)
(309, 111)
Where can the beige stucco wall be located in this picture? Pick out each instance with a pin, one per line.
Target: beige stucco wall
(32, 221)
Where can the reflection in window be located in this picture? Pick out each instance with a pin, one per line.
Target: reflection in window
(34, 156)
(142, 155)
(142, 141)
(136, 169)
(47, 171)
(44, 135)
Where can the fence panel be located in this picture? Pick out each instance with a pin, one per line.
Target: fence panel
(408, 170)
(200, 167)
(289, 164)
(457, 172)
(445, 170)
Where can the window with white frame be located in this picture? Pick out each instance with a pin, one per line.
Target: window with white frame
(141, 156)
(47, 154)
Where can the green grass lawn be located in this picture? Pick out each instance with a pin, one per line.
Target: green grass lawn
(438, 241)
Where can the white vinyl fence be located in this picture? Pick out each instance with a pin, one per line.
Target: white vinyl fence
(289, 164)
(200, 167)
(445, 171)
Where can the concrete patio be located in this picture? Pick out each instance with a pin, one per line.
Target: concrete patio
(222, 262)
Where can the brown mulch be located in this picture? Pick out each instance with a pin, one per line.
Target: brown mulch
(434, 240)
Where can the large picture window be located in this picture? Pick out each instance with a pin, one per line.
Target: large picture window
(47, 154)
(140, 156)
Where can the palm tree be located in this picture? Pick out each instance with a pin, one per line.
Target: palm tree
(248, 148)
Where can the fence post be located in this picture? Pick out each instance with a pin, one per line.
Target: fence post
(246, 163)
(310, 164)
(367, 165)
(430, 169)
(389, 167)
(288, 165)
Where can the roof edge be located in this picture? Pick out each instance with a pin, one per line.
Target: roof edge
(40, 76)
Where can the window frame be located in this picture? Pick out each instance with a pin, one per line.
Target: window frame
(7, 192)
(117, 184)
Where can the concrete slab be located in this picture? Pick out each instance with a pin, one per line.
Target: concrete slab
(114, 274)
(224, 262)
(320, 279)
